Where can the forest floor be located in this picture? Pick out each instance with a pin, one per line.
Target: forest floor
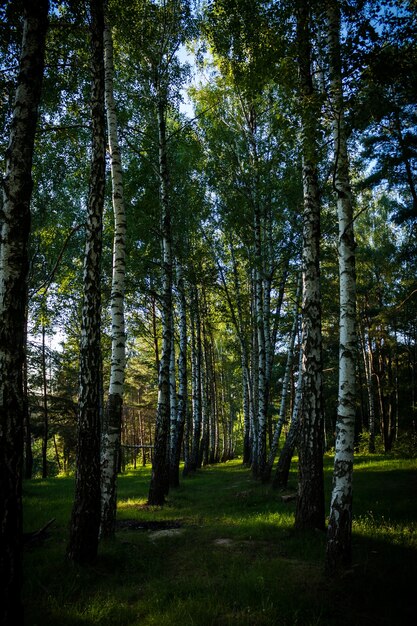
(223, 552)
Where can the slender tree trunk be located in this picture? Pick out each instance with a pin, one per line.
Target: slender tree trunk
(254, 382)
(367, 360)
(282, 471)
(240, 326)
(310, 504)
(155, 333)
(27, 431)
(338, 547)
(261, 344)
(14, 264)
(45, 433)
(196, 379)
(110, 443)
(285, 384)
(246, 410)
(85, 520)
(160, 464)
(284, 462)
(173, 435)
(182, 417)
(204, 443)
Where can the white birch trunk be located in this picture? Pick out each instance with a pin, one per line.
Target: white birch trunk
(173, 426)
(14, 264)
(110, 442)
(182, 418)
(369, 368)
(196, 360)
(204, 443)
(254, 377)
(247, 388)
(338, 548)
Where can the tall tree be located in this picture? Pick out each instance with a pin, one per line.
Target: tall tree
(338, 548)
(310, 504)
(113, 411)
(158, 486)
(85, 520)
(181, 413)
(14, 263)
(285, 384)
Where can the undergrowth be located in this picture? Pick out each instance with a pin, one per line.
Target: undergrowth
(232, 557)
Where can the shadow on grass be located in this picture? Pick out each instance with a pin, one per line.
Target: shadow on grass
(238, 561)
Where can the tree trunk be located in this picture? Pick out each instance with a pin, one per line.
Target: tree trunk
(182, 417)
(284, 462)
(160, 468)
(261, 345)
(310, 504)
(196, 379)
(85, 520)
(27, 431)
(45, 433)
(338, 547)
(246, 410)
(113, 413)
(173, 407)
(14, 263)
(283, 407)
(204, 442)
(240, 326)
(367, 360)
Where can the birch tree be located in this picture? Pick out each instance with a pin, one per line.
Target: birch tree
(338, 547)
(181, 417)
(158, 487)
(113, 412)
(196, 376)
(14, 264)
(85, 519)
(310, 504)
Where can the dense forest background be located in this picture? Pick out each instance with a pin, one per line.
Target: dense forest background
(234, 67)
(218, 110)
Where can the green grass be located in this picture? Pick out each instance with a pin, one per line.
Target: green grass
(236, 560)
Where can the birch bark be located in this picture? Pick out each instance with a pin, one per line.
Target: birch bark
(110, 442)
(85, 519)
(338, 547)
(196, 360)
(182, 418)
(310, 504)
(14, 263)
(173, 404)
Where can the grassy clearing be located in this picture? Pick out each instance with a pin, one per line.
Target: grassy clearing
(236, 560)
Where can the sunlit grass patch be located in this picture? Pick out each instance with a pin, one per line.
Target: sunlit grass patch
(376, 463)
(238, 560)
(382, 529)
(132, 503)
